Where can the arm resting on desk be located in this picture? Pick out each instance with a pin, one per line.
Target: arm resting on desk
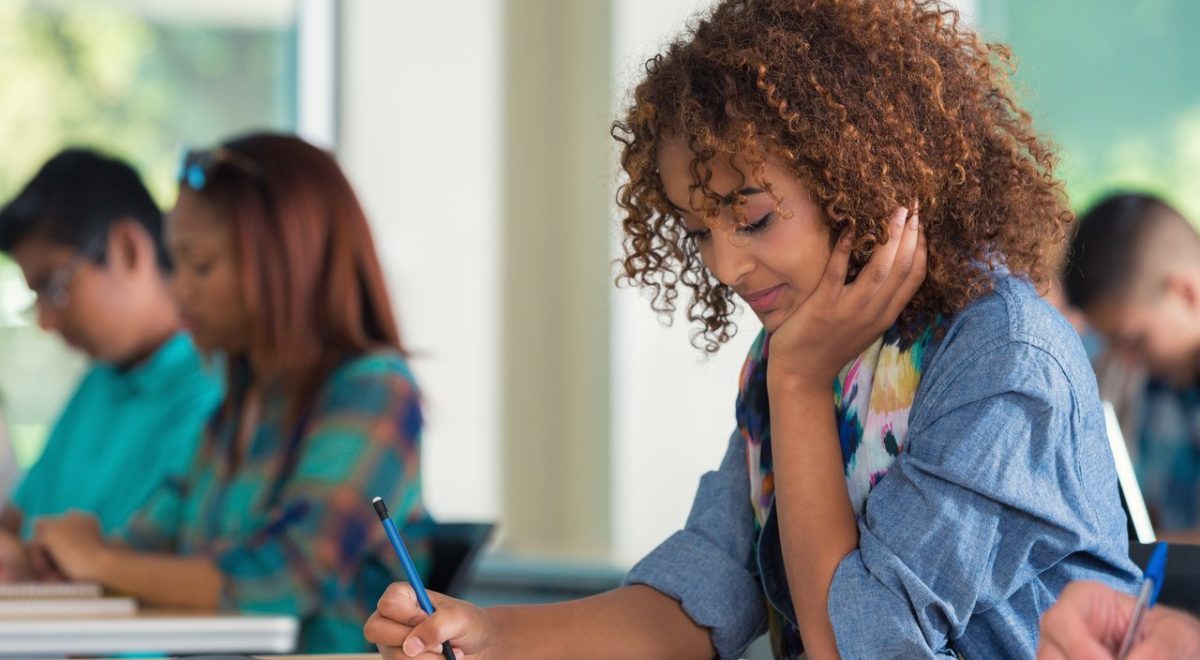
(160, 579)
(79, 551)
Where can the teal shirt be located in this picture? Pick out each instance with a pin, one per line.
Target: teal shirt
(123, 433)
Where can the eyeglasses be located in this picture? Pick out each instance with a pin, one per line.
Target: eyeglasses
(200, 165)
(55, 293)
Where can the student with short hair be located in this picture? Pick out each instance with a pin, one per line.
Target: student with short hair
(88, 239)
(1133, 269)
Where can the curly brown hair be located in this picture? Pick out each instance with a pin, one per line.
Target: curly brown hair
(872, 103)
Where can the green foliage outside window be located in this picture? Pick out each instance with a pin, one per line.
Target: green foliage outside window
(109, 74)
(1114, 84)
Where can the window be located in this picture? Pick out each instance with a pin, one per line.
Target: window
(1117, 92)
(139, 79)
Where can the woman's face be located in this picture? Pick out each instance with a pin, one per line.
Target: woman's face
(774, 261)
(205, 280)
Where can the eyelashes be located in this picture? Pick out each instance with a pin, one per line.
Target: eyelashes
(750, 229)
(757, 226)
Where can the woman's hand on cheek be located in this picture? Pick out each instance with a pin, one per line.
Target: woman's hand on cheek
(839, 321)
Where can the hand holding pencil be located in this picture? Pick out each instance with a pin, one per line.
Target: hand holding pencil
(408, 595)
(402, 630)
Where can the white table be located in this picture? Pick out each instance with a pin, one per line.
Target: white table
(148, 632)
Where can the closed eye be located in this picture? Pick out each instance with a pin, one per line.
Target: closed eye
(757, 226)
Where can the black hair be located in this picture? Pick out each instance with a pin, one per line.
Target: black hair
(74, 199)
(1104, 257)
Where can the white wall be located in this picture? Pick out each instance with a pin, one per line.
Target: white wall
(673, 407)
(419, 138)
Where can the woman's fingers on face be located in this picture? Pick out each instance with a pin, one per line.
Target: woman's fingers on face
(914, 275)
(910, 244)
(879, 273)
(886, 300)
(907, 242)
(834, 279)
(883, 259)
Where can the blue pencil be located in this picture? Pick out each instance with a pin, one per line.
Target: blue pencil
(410, 569)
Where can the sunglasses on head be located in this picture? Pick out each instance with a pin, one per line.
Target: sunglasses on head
(199, 166)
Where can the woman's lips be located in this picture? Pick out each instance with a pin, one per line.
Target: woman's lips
(764, 299)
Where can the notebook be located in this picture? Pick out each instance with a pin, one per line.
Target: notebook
(55, 607)
(46, 590)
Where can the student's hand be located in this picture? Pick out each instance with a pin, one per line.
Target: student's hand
(402, 630)
(14, 561)
(74, 544)
(839, 321)
(1089, 621)
(44, 568)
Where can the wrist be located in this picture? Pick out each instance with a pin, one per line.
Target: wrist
(493, 627)
(103, 560)
(795, 383)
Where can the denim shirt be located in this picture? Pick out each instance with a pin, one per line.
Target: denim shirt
(1005, 493)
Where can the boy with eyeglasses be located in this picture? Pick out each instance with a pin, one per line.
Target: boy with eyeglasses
(88, 239)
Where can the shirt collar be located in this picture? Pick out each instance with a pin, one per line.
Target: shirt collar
(161, 368)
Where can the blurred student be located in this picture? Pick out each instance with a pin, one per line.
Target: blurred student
(1134, 270)
(276, 268)
(88, 239)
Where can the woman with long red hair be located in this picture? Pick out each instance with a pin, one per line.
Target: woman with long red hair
(275, 268)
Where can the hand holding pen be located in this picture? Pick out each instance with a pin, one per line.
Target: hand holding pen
(410, 571)
(1152, 580)
(1091, 621)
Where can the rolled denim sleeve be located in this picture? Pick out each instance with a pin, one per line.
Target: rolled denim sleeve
(985, 516)
(708, 566)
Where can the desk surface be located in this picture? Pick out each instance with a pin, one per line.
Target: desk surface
(148, 632)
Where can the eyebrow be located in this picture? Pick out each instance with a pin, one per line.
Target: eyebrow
(727, 200)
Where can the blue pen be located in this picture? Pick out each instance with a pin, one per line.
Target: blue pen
(410, 570)
(1152, 580)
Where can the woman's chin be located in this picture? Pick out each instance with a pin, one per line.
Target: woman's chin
(771, 319)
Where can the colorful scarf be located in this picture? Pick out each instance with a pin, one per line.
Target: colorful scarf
(872, 397)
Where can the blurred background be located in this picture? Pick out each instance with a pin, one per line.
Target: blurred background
(476, 133)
